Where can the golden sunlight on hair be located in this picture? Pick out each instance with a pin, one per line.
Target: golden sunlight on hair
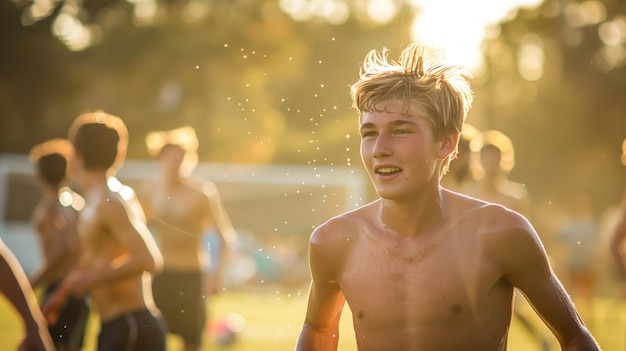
(59, 146)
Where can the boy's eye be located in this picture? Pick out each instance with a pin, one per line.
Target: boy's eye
(368, 134)
(401, 131)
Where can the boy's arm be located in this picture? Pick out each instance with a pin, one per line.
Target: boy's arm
(143, 252)
(525, 264)
(320, 331)
(62, 247)
(16, 289)
(217, 215)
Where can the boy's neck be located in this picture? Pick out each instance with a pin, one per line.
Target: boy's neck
(172, 180)
(50, 191)
(410, 218)
(92, 179)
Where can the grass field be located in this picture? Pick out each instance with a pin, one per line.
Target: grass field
(274, 318)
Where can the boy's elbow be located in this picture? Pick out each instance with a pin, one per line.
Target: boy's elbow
(158, 266)
(153, 263)
(157, 263)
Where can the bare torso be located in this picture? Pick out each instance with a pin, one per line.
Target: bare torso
(178, 216)
(434, 291)
(101, 250)
(59, 242)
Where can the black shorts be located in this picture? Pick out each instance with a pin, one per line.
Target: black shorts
(180, 297)
(133, 331)
(69, 330)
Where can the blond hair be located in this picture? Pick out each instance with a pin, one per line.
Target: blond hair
(442, 92)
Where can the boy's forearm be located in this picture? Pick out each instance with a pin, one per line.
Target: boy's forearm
(314, 340)
(128, 269)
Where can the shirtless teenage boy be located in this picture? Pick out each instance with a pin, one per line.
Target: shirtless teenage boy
(423, 268)
(54, 219)
(118, 248)
(180, 211)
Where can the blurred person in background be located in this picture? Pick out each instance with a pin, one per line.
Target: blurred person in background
(181, 211)
(618, 235)
(55, 218)
(496, 160)
(422, 267)
(118, 250)
(580, 240)
(610, 219)
(462, 169)
(14, 286)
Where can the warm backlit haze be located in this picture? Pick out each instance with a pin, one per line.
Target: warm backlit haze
(454, 28)
(265, 85)
(457, 27)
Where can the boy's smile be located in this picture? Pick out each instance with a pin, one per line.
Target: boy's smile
(398, 150)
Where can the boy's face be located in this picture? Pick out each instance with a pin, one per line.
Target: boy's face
(171, 157)
(491, 158)
(399, 151)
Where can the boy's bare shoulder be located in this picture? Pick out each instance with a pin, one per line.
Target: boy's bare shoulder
(501, 230)
(345, 226)
(482, 213)
(109, 206)
(200, 188)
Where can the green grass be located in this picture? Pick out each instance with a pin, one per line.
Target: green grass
(274, 318)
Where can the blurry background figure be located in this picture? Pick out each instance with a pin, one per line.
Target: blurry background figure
(578, 234)
(54, 220)
(463, 168)
(20, 295)
(492, 184)
(181, 211)
(609, 221)
(616, 224)
(497, 159)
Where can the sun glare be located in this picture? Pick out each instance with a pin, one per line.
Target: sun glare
(456, 28)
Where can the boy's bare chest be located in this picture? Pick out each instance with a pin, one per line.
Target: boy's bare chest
(435, 281)
(94, 234)
(175, 206)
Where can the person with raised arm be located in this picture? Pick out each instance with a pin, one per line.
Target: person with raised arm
(119, 253)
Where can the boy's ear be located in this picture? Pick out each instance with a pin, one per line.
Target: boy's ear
(449, 144)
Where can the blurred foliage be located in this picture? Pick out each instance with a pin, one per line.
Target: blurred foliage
(262, 85)
(257, 85)
(557, 86)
